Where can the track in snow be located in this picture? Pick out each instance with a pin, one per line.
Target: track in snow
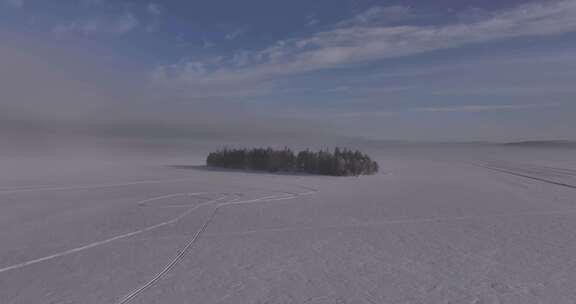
(508, 171)
(133, 294)
(117, 237)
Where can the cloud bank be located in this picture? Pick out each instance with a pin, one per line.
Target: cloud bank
(365, 39)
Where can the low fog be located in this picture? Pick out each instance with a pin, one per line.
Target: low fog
(56, 99)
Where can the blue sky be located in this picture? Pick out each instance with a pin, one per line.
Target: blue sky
(414, 70)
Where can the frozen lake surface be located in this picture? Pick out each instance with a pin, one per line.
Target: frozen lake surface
(425, 230)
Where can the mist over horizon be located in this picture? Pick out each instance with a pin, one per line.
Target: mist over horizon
(103, 73)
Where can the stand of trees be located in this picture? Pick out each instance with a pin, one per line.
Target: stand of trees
(340, 162)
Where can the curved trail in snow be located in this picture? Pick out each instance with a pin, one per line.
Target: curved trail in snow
(137, 291)
(181, 253)
(117, 237)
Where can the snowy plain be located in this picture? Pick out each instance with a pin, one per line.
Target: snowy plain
(489, 226)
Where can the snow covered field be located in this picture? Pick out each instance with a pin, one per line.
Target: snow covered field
(483, 229)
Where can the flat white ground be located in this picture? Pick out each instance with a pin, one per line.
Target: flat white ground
(422, 231)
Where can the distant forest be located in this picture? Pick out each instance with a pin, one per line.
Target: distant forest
(340, 162)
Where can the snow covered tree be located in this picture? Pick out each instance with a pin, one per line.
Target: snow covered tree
(341, 162)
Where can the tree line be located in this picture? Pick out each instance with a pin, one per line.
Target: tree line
(339, 162)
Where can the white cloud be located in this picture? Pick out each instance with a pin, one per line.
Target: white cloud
(154, 12)
(117, 25)
(483, 108)
(532, 90)
(379, 15)
(236, 33)
(466, 66)
(14, 3)
(352, 114)
(438, 109)
(355, 43)
(207, 44)
(153, 9)
(312, 20)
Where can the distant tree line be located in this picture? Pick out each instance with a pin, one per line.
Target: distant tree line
(340, 162)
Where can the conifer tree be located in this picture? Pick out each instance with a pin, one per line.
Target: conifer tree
(340, 162)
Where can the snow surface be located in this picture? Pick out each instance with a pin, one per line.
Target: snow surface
(483, 229)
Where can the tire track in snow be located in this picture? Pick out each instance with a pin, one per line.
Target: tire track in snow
(133, 294)
(137, 291)
(117, 237)
(536, 168)
(568, 265)
(545, 180)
